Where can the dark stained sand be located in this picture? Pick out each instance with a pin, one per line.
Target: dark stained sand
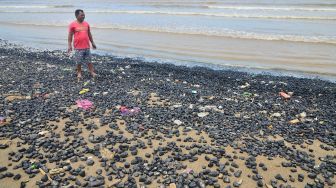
(193, 122)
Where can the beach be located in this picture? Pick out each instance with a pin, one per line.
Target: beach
(148, 124)
(290, 38)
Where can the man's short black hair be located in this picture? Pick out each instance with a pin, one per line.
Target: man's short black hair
(78, 11)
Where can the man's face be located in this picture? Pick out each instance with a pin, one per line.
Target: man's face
(81, 17)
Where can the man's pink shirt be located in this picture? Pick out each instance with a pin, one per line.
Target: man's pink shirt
(81, 34)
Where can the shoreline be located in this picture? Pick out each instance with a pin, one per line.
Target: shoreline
(197, 126)
(216, 67)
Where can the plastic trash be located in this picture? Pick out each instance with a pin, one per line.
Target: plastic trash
(284, 95)
(178, 122)
(194, 92)
(33, 166)
(85, 104)
(202, 114)
(294, 121)
(129, 111)
(247, 94)
(84, 91)
(2, 119)
(245, 85)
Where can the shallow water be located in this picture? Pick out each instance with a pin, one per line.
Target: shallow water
(287, 36)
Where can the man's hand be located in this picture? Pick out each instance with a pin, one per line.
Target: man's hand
(94, 46)
(69, 49)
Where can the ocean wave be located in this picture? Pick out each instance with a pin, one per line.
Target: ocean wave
(271, 8)
(246, 16)
(34, 6)
(201, 31)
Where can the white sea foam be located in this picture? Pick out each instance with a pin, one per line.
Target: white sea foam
(33, 6)
(271, 8)
(200, 31)
(179, 13)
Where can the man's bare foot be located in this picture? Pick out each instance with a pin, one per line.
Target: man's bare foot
(94, 75)
(79, 77)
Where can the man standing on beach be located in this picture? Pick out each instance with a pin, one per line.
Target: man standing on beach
(80, 29)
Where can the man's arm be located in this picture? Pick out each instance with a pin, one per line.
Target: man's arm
(91, 39)
(70, 41)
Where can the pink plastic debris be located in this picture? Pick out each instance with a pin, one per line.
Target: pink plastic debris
(188, 170)
(129, 111)
(85, 104)
(2, 119)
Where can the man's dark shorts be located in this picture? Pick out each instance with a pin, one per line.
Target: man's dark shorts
(82, 56)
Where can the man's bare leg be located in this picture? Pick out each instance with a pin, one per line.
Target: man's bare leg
(91, 69)
(79, 71)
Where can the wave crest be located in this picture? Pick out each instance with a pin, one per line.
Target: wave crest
(205, 32)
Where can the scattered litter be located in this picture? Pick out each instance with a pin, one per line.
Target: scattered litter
(67, 69)
(86, 83)
(84, 91)
(177, 106)
(85, 104)
(276, 115)
(107, 153)
(270, 127)
(261, 132)
(17, 97)
(303, 114)
(202, 114)
(245, 86)
(56, 171)
(294, 121)
(33, 166)
(129, 111)
(284, 95)
(194, 92)
(44, 173)
(210, 107)
(2, 120)
(178, 122)
(105, 93)
(247, 94)
(43, 132)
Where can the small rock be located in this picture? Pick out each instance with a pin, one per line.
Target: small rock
(90, 162)
(237, 183)
(17, 177)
